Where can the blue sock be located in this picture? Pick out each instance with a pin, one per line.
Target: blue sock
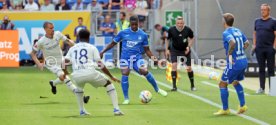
(224, 97)
(125, 85)
(152, 81)
(239, 90)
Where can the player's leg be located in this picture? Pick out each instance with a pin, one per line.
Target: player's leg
(224, 94)
(262, 64)
(240, 92)
(174, 70)
(140, 65)
(97, 79)
(124, 83)
(190, 71)
(80, 82)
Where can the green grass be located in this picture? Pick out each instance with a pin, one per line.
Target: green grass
(20, 103)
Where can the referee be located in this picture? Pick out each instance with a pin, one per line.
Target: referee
(178, 44)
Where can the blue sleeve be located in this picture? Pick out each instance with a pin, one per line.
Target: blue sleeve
(119, 37)
(145, 40)
(227, 37)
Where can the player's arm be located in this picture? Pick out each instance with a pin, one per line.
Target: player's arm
(246, 44)
(108, 47)
(35, 59)
(97, 58)
(149, 53)
(232, 45)
(254, 40)
(70, 42)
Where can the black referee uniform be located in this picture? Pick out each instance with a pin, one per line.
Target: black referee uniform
(178, 42)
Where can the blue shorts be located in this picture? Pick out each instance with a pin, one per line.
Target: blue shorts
(135, 62)
(230, 75)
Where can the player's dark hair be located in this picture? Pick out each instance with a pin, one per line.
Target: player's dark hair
(123, 13)
(46, 24)
(156, 25)
(133, 18)
(84, 35)
(229, 19)
(80, 18)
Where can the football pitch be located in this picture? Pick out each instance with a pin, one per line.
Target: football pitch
(26, 99)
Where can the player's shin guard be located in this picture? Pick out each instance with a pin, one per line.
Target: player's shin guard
(191, 77)
(152, 81)
(79, 95)
(125, 86)
(110, 89)
(174, 76)
(224, 94)
(240, 93)
(70, 85)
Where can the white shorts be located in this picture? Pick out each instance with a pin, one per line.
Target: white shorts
(94, 78)
(55, 69)
(56, 66)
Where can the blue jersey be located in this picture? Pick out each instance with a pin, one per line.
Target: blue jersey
(132, 42)
(239, 38)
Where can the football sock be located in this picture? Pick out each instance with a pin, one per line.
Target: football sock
(125, 86)
(56, 81)
(70, 85)
(110, 89)
(191, 77)
(239, 90)
(174, 76)
(152, 81)
(79, 95)
(224, 94)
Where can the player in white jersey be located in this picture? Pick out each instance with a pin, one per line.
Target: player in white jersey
(49, 45)
(83, 56)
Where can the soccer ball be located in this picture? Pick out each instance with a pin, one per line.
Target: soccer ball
(213, 76)
(145, 96)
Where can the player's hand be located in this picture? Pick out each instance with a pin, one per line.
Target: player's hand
(101, 55)
(115, 79)
(253, 50)
(187, 50)
(40, 66)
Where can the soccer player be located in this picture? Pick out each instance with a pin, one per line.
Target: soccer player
(133, 39)
(178, 45)
(49, 45)
(234, 42)
(82, 56)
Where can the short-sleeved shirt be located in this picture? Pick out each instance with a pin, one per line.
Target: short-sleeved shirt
(239, 38)
(83, 56)
(50, 47)
(132, 42)
(179, 39)
(108, 25)
(265, 32)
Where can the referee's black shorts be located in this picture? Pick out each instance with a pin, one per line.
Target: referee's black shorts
(180, 56)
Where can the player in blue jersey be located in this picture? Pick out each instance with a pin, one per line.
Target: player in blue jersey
(133, 39)
(234, 42)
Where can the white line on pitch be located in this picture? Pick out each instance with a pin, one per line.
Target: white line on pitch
(209, 102)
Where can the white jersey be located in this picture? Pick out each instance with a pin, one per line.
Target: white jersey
(51, 48)
(83, 56)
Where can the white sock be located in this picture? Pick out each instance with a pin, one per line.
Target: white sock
(70, 85)
(79, 95)
(56, 81)
(113, 95)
